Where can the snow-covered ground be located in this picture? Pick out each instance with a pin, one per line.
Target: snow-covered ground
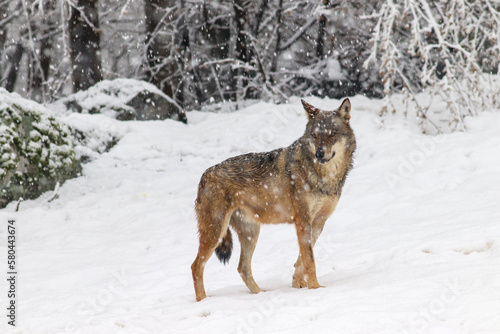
(413, 247)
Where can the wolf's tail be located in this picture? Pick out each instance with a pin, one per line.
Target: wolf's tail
(225, 248)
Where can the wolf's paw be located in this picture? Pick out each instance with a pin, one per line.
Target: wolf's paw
(200, 297)
(256, 291)
(315, 286)
(299, 282)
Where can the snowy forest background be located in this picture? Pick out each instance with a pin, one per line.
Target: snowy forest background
(205, 52)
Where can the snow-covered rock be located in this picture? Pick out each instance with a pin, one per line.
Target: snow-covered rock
(124, 99)
(36, 150)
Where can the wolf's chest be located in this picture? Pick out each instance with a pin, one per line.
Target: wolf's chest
(326, 181)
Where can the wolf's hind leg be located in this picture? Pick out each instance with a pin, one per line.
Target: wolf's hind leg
(211, 235)
(204, 252)
(248, 233)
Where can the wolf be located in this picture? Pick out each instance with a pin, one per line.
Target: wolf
(299, 184)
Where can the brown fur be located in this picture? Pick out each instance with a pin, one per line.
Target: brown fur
(300, 184)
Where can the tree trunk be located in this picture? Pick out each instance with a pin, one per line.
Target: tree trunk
(84, 39)
(3, 27)
(241, 38)
(258, 17)
(274, 62)
(243, 53)
(184, 57)
(160, 69)
(3, 36)
(14, 59)
(320, 42)
(42, 56)
(217, 30)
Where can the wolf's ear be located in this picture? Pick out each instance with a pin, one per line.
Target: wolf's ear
(345, 110)
(311, 111)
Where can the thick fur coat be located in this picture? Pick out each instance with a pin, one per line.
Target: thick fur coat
(300, 184)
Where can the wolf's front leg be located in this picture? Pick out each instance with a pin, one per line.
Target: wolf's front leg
(306, 257)
(298, 280)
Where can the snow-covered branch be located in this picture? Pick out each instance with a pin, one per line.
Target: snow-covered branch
(439, 48)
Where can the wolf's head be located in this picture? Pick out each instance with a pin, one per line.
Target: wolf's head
(328, 133)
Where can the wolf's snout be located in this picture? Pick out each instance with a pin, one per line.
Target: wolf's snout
(320, 154)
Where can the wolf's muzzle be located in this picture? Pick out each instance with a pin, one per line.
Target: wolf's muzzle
(320, 156)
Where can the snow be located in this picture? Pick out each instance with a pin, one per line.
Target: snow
(334, 70)
(413, 247)
(108, 97)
